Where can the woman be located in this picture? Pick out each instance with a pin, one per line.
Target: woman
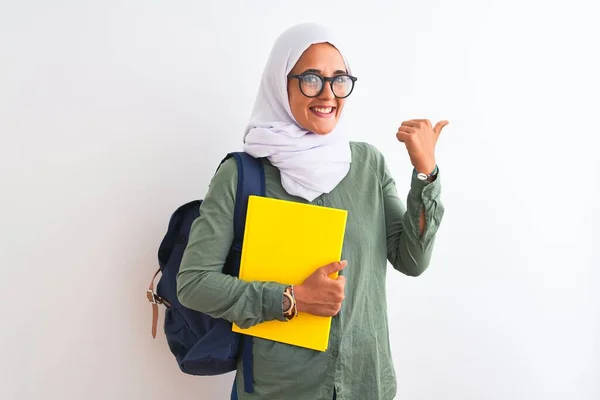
(308, 158)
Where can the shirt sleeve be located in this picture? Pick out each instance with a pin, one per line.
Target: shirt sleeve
(201, 284)
(408, 250)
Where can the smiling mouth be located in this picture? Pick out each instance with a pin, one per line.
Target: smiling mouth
(323, 111)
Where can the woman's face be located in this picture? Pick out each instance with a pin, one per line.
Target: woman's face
(319, 114)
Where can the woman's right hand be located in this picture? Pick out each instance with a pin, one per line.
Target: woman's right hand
(321, 295)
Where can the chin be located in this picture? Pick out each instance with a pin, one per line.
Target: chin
(322, 130)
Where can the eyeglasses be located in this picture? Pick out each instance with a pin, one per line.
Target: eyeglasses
(312, 85)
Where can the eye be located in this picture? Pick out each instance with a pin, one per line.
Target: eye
(311, 79)
(341, 80)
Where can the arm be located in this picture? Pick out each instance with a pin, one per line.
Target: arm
(200, 283)
(411, 230)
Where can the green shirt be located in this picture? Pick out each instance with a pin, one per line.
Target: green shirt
(358, 362)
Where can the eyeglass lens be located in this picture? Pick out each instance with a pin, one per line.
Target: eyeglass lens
(312, 84)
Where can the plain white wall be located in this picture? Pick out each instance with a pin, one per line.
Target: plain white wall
(114, 113)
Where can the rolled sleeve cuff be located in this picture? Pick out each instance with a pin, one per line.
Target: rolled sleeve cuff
(272, 301)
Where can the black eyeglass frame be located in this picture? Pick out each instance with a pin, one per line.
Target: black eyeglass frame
(323, 80)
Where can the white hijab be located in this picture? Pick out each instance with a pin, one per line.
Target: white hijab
(310, 164)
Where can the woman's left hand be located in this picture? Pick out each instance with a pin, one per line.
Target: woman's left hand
(420, 139)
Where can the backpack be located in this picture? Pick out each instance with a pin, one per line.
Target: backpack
(204, 345)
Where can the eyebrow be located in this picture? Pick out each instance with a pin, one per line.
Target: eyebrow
(318, 71)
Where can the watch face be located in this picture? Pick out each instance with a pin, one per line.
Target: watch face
(422, 176)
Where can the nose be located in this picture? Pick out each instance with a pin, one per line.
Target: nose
(327, 93)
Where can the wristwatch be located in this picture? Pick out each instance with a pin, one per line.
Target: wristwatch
(429, 178)
(292, 311)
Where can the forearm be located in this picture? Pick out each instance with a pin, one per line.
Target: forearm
(410, 246)
(223, 296)
(431, 166)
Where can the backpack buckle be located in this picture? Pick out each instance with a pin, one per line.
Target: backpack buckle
(152, 297)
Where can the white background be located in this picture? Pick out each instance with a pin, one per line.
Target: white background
(114, 113)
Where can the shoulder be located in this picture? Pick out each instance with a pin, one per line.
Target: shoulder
(224, 183)
(367, 155)
(227, 171)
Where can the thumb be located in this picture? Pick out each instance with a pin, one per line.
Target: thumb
(334, 267)
(437, 129)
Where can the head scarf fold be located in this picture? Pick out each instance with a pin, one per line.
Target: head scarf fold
(310, 164)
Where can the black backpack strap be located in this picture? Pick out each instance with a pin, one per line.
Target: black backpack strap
(251, 181)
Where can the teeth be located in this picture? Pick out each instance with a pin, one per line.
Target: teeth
(323, 110)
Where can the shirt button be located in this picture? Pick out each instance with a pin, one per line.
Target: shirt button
(320, 202)
(335, 353)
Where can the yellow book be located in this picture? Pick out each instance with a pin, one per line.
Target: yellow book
(286, 242)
